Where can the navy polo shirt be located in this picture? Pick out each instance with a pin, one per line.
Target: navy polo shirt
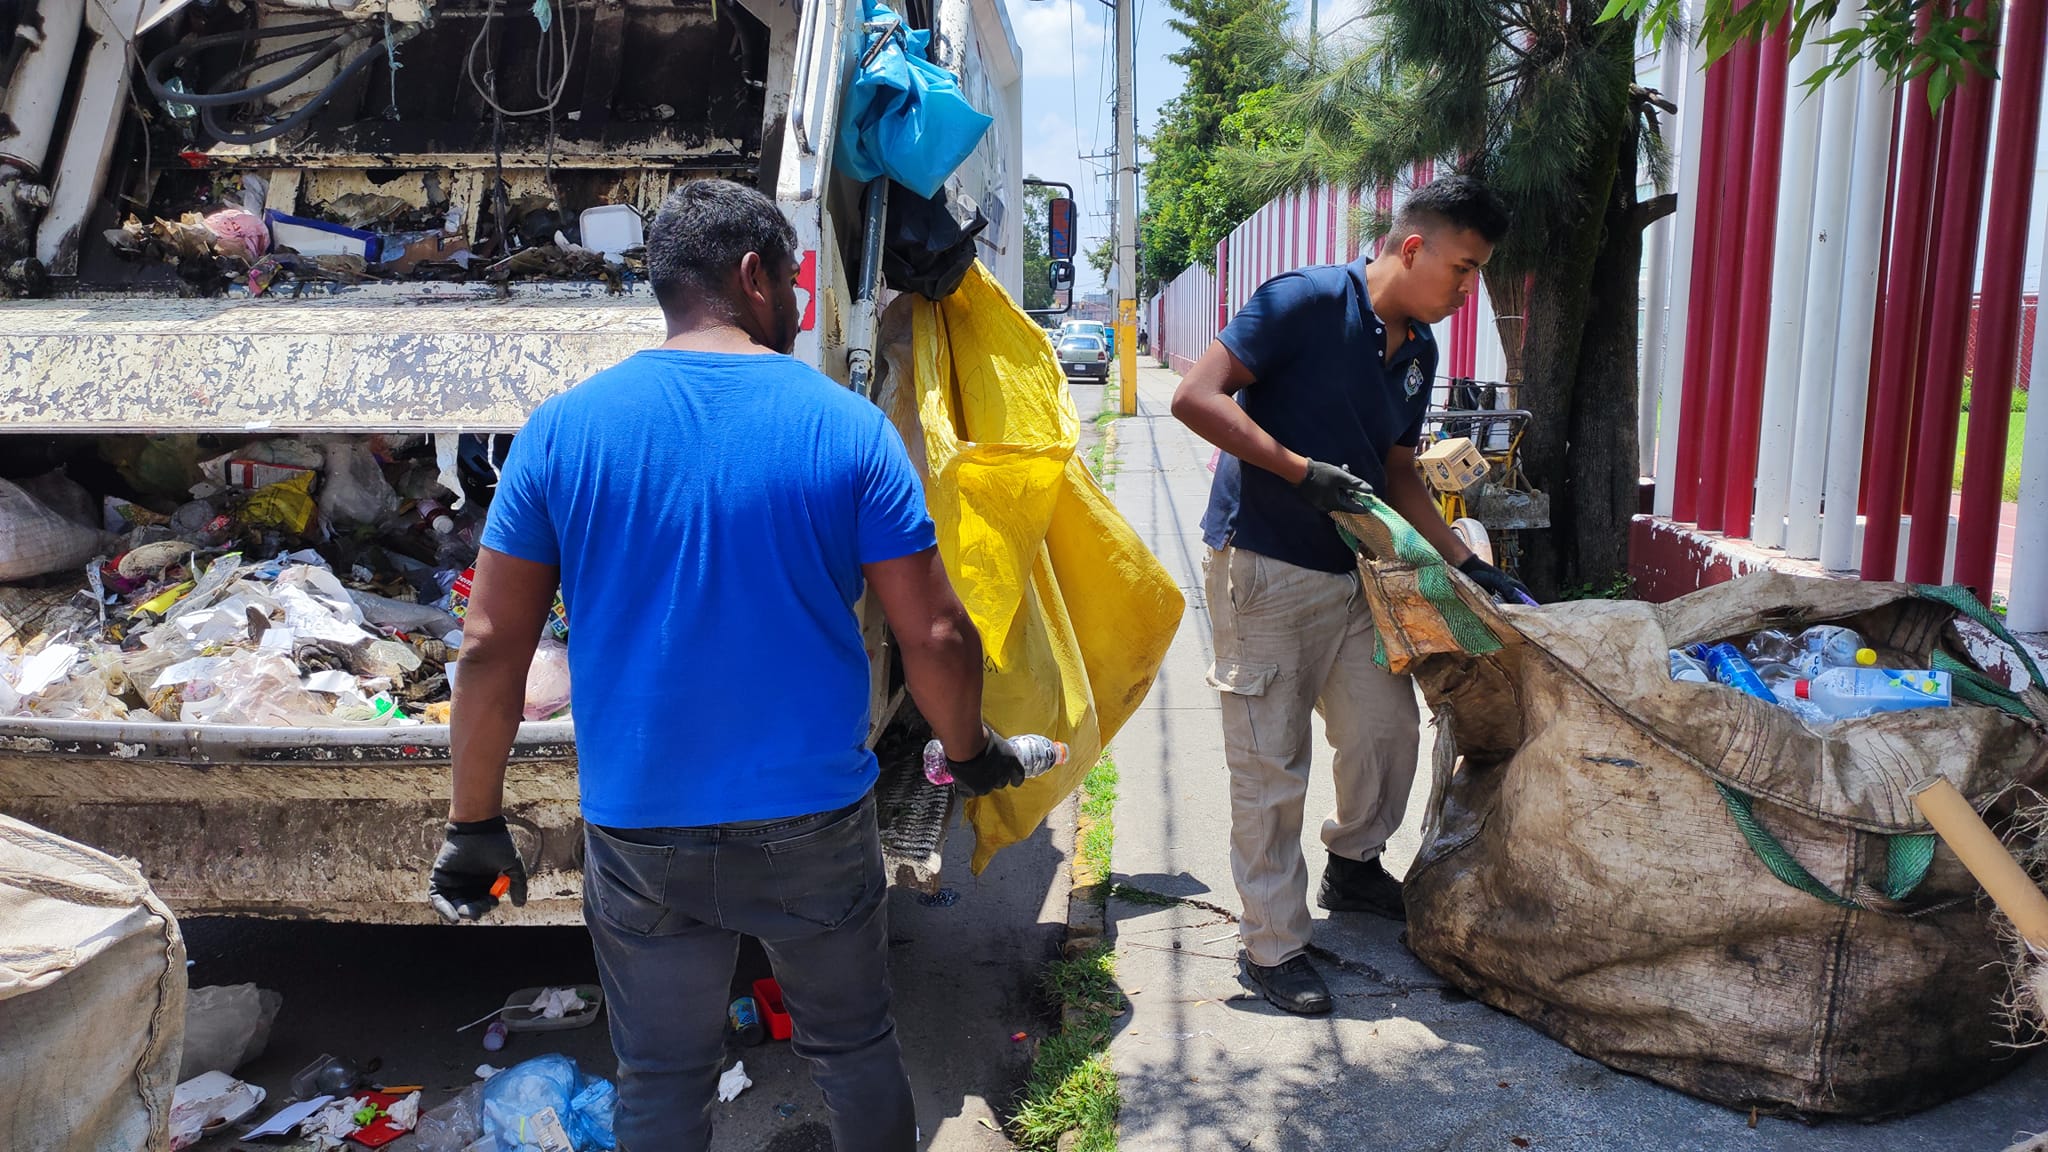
(1321, 386)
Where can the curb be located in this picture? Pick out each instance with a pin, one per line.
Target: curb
(1087, 913)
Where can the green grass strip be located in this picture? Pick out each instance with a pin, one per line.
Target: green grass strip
(1072, 1087)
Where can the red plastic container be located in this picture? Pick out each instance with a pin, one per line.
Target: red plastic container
(768, 997)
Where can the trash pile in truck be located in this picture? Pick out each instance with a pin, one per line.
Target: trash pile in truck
(226, 237)
(299, 582)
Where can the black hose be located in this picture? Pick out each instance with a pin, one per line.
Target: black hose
(176, 53)
(296, 119)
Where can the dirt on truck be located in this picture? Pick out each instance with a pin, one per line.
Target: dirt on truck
(284, 280)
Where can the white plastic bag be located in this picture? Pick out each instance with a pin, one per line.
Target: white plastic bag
(547, 680)
(226, 1026)
(35, 541)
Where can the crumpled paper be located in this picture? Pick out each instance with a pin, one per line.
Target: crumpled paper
(733, 1081)
(555, 1003)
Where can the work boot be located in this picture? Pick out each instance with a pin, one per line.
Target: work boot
(1291, 986)
(1361, 886)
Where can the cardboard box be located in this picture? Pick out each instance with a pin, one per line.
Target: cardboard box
(1452, 465)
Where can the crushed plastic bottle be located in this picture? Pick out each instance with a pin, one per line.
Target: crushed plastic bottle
(1727, 665)
(1040, 754)
(1827, 646)
(1686, 669)
(1771, 646)
(1846, 693)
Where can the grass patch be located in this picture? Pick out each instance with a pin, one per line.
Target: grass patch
(1102, 454)
(1096, 837)
(2014, 434)
(1072, 1087)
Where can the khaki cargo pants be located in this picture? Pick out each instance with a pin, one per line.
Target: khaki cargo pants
(1290, 641)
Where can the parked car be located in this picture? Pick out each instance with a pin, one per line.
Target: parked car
(1095, 328)
(1084, 357)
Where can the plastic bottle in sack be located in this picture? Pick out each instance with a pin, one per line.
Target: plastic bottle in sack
(1685, 668)
(1827, 646)
(1726, 664)
(1782, 680)
(1040, 754)
(1845, 693)
(1770, 646)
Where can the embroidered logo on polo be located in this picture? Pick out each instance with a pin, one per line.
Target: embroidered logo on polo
(1412, 383)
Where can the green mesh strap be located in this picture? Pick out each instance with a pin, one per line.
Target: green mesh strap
(1966, 603)
(1398, 538)
(1907, 857)
(1773, 854)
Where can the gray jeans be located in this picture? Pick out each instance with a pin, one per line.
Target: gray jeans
(666, 908)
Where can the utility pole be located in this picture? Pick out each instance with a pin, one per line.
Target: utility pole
(1126, 209)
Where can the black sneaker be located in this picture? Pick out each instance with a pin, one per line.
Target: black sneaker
(1354, 886)
(1294, 986)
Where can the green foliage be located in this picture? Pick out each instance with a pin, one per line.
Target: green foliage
(1037, 262)
(1513, 94)
(1621, 587)
(1950, 46)
(1072, 1087)
(1098, 804)
(1236, 48)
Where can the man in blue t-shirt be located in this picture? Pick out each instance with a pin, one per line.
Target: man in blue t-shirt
(711, 510)
(1315, 392)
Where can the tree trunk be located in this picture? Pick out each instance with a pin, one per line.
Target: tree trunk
(1602, 461)
(1561, 309)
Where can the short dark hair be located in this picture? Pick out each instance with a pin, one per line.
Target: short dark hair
(703, 229)
(1459, 201)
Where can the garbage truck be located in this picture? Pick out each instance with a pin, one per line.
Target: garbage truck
(282, 241)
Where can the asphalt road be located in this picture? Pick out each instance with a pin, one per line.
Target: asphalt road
(966, 978)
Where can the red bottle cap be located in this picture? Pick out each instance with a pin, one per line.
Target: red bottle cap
(1799, 688)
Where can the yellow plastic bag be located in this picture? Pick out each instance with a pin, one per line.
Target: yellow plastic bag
(1075, 615)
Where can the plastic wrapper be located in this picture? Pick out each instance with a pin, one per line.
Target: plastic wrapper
(354, 491)
(36, 540)
(226, 1027)
(583, 1105)
(547, 681)
(452, 1125)
(249, 688)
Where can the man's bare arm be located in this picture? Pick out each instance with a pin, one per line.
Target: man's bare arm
(940, 645)
(1203, 403)
(1408, 495)
(506, 613)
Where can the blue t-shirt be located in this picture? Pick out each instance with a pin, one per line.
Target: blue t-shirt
(710, 513)
(1322, 387)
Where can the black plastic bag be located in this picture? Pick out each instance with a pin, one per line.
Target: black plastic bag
(929, 243)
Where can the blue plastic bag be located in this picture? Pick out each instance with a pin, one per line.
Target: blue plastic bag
(904, 116)
(583, 1104)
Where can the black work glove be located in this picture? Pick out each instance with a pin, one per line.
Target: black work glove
(1332, 489)
(472, 858)
(1497, 583)
(996, 767)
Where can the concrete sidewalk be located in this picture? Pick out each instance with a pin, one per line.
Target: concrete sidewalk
(1405, 1062)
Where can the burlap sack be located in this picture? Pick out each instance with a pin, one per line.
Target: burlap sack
(1685, 882)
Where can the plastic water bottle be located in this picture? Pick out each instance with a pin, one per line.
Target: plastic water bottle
(1782, 680)
(1688, 670)
(1040, 754)
(1726, 664)
(1831, 646)
(1845, 693)
(1771, 646)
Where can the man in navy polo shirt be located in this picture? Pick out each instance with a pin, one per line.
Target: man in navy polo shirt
(1315, 393)
(712, 509)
